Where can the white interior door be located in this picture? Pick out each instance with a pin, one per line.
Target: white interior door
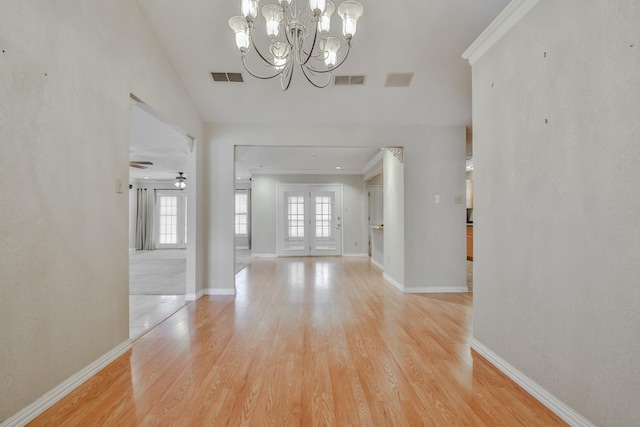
(309, 220)
(171, 219)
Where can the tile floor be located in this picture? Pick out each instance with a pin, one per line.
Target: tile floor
(146, 311)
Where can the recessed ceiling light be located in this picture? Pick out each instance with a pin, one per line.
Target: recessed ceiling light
(338, 167)
(146, 177)
(239, 177)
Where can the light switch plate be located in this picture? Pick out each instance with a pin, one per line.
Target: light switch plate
(436, 198)
(118, 185)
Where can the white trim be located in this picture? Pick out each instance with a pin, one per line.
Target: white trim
(359, 255)
(258, 172)
(374, 167)
(377, 264)
(265, 255)
(557, 406)
(194, 297)
(220, 291)
(242, 247)
(393, 281)
(437, 290)
(509, 17)
(53, 396)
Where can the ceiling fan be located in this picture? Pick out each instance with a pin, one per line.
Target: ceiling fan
(138, 165)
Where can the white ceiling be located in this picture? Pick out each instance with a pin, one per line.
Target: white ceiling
(252, 160)
(422, 36)
(150, 139)
(426, 37)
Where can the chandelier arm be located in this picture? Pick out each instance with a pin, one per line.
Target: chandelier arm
(336, 67)
(244, 62)
(257, 50)
(315, 37)
(290, 75)
(304, 67)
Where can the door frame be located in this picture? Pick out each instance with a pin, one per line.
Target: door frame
(306, 188)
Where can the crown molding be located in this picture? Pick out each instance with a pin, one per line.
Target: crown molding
(256, 172)
(509, 17)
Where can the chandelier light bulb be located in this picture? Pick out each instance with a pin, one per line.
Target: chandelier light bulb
(317, 7)
(350, 12)
(241, 29)
(272, 14)
(330, 47)
(250, 9)
(280, 52)
(324, 23)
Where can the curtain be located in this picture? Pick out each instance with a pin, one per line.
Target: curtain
(145, 220)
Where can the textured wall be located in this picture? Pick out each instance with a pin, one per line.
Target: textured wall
(556, 236)
(66, 71)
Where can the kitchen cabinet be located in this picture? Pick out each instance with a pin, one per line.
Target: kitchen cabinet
(470, 242)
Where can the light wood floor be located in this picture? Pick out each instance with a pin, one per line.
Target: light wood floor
(306, 341)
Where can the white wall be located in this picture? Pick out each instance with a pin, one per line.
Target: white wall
(556, 232)
(65, 76)
(428, 147)
(394, 218)
(264, 205)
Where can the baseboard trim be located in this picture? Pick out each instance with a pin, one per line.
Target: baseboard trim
(265, 255)
(557, 406)
(194, 297)
(357, 255)
(53, 396)
(437, 290)
(220, 291)
(389, 279)
(377, 264)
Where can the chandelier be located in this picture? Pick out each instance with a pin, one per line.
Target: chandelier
(296, 36)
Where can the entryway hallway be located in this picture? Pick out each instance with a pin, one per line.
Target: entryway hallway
(306, 341)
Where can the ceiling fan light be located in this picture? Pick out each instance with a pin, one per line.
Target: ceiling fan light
(350, 12)
(272, 14)
(330, 47)
(284, 3)
(249, 9)
(241, 29)
(317, 7)
(324, 23)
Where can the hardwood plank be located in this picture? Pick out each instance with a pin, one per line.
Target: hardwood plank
(306, 341)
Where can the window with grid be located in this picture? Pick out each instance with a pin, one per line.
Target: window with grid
(323, 216)
(168, 217)
(295, 216)
(241, 213)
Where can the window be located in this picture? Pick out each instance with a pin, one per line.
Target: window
(241, 213)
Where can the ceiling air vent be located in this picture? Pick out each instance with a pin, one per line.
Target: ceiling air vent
(227, 77)
(398, 79)
(348, 80)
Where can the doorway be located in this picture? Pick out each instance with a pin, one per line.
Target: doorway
(309, 220)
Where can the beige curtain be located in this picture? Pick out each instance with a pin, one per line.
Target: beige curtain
(145, 219)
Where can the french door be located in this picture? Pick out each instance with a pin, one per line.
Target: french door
(171, 219)
(309, 220)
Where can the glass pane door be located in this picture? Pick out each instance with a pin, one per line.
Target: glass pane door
(326, 225)
(309, 220)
